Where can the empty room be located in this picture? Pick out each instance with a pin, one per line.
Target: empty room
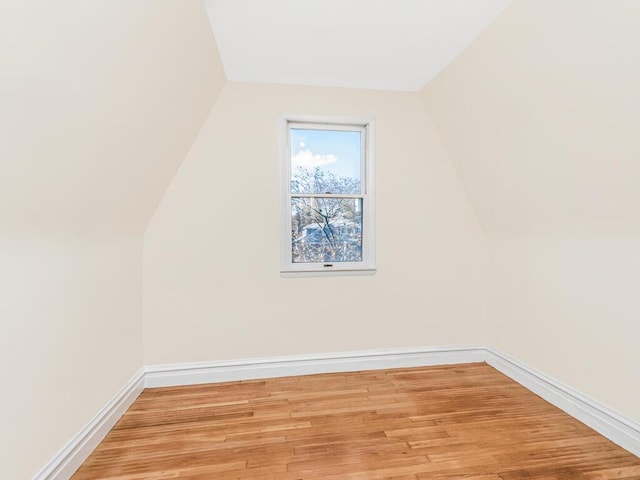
(323, 239)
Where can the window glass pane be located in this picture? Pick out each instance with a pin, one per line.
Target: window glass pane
(325, 161)
(326, 230)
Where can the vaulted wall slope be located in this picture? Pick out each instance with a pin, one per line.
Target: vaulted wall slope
(100, 101)
(539, 116)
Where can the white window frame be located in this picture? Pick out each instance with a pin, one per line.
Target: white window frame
(368, 264)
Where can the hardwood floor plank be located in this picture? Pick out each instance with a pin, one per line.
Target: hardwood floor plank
(448, 422)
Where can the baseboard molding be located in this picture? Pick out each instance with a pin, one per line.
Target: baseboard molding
(613, 425)
(67, 460)
(618, 428)
(271, 367)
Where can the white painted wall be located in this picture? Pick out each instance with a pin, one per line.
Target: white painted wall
(70, 339)
(539, 117)
(212, 288)
(569, 307)
(99, 103)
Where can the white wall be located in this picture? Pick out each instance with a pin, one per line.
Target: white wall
(70, 338)
(539, 116)
(569, 307)
(212, 288)
(99, 103)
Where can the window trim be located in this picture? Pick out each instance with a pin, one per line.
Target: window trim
(368, 264)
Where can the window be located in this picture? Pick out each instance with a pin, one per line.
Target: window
(327, 198)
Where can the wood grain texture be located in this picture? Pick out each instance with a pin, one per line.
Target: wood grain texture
(448, 422)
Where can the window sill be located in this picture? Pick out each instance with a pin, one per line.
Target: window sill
(327, 273)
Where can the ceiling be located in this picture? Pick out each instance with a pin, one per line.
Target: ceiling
(378, 44)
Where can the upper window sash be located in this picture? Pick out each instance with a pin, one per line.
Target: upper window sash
(326, 127)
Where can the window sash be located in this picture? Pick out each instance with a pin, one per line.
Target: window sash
(330, 231)
(334, 127)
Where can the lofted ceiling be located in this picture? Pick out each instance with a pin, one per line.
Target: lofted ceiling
(378, 44)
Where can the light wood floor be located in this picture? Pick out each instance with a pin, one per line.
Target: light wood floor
(455, 422)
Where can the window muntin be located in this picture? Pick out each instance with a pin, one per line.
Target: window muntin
(328, 218)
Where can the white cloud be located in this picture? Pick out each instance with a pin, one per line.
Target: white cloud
(306, 159)
(302, 144)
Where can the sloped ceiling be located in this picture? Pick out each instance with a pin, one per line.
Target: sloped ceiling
(540, 116)
(100, 102)
(379, 44)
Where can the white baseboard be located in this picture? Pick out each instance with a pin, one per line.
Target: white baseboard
(618, 428)
(615, 426)
(74, 453)
(271, 367)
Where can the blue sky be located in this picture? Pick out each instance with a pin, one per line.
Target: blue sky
(332, 151)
